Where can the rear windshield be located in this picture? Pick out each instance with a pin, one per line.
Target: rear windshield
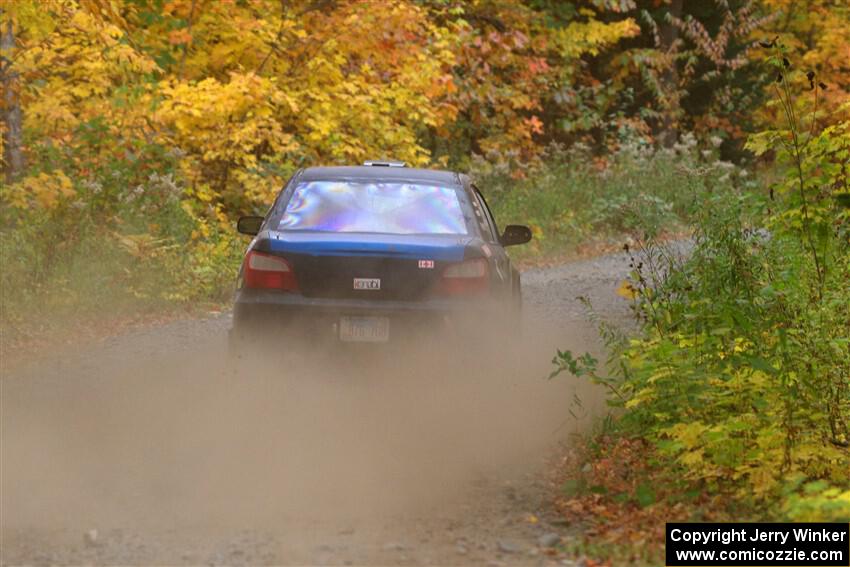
(389, 207)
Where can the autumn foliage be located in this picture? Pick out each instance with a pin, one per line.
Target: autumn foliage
(247, 91)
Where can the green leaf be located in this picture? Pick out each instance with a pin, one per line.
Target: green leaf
(644, 495)
(759, 363)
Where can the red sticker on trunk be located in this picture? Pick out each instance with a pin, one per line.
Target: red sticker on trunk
(426, 264)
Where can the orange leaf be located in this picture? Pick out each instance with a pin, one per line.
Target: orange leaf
(179, 37)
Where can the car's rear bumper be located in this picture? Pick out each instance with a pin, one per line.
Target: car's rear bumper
(256, 309)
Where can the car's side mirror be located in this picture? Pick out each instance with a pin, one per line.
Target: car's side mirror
(249, 225)
(515, 234)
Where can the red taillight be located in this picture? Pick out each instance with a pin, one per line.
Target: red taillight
(264, 271)
(470, 276)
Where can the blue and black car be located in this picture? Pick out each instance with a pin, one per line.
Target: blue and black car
(373, 253)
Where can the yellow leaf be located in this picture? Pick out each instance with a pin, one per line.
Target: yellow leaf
(627, 290)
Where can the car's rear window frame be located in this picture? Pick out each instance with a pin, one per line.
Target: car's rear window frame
(282, 202)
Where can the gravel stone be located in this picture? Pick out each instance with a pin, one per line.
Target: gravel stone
(90, 538)
(506, 546)
(549, 540)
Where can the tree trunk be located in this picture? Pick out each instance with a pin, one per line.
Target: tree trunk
(670, 77)
(13, 156)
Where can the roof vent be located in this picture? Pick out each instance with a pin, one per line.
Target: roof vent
(376, 163)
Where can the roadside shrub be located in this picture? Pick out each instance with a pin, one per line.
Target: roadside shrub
(121, 239)
(741, 374)
(572, 198)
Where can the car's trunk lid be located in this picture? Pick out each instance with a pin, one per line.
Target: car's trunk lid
(367, 266)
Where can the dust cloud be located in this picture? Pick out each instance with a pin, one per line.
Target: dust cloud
(300, 441)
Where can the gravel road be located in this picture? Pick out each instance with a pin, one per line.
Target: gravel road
(148, 449)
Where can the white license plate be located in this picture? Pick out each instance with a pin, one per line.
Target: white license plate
(367, 283)
(364, 329)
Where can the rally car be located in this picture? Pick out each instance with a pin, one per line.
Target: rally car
(374, 253)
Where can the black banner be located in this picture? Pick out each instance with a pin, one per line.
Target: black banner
(762, 544)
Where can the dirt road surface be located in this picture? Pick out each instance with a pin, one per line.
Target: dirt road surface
(146, 449)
